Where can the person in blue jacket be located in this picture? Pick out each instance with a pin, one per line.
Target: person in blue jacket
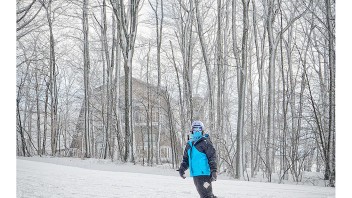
(200, 157)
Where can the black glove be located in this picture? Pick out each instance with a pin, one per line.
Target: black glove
(182, 173)
(213, 176)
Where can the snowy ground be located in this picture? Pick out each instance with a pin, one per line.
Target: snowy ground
(95, 178)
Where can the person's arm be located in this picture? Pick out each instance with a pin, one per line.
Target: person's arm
(184, 164)
(211, 155)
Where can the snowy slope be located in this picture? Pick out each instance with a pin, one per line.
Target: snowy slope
(39, 179)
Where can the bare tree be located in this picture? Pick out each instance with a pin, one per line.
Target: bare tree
(159, 34)
(53, 73)
(207, 65)
(127, 21)
(260, 63)
(242, 91)
(331, 138)
(38, 112)
(108, 92)
(86, 66)
(181, 104)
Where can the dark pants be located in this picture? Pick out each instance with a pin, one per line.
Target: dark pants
(203, 185)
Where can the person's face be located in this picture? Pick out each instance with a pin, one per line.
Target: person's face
(196, 129)
(195, 132)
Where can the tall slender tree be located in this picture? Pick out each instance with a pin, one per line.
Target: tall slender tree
(47, 4)
(127, 21)
(86, 68)
(242, 91)
(159, 33)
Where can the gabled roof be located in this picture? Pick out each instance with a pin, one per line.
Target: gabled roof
(134, 80)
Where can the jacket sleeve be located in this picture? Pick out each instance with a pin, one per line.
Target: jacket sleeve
(184, 164)
(211, 155)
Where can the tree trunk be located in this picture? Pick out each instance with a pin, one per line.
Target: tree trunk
(271, 82)
(38, 113)
(127, 113)
(128, 26)
(45, 116)
(117, 93)
(331, 137)
(219, 64)
(108, 83)
(242, 92)
(20, 129)
(52, 81)
(149, 160)
(182, 114)
(207, 66)
(260, 63)
(159, 30)
(284, 108)
(86, 66)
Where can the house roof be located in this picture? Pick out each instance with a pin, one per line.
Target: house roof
(135, 80)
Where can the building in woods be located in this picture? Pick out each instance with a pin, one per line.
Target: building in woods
(140, 123)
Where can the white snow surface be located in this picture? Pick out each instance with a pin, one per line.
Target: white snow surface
(69, 177)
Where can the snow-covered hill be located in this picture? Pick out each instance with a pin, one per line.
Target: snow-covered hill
(40, 179)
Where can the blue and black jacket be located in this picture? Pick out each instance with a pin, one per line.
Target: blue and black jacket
(199, 156)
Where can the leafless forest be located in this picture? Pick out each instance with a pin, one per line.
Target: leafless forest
(260, 74)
